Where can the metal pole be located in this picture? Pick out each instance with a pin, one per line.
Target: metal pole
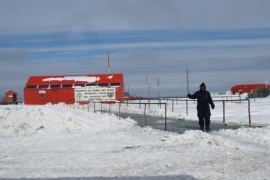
(165, 117)
(149, 90)
(223, 105)
(186, 106)
(172, 105)
(158, 91)
(187, 71)
(109, 63)
(158, 88)
(249, 116)
(128, 89)
(145, 115)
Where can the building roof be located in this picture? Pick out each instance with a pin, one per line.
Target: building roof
(73, 79)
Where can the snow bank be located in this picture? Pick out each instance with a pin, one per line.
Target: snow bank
(27, 120)
(57, 141)
(258, 135)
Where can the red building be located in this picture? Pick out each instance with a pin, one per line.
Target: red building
(74, 88)
(247, 88)
(11, 97)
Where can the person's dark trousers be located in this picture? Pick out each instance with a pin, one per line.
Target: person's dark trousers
(203, 113)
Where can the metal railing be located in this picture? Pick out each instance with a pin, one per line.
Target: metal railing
(116, 107)
(109, 109)
(186, 100)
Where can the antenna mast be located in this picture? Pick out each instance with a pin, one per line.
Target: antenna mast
(109, 63)
(187, 71)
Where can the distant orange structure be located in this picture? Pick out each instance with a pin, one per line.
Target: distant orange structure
(247, 88)
(11, 97)
(127, 96)
(70, 89)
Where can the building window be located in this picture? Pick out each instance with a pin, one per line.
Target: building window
(91, 84)
(67, 85)
(56, 86)
(31, 86)
(43, 86)
(42, 93)
(103, 84)
(79, 85)
(115, 84)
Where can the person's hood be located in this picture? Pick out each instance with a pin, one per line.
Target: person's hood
(203, 85)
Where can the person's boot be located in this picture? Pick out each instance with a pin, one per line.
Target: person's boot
(201, 128)
(207, 128)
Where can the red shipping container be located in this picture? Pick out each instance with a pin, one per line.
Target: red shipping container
(247, 88)
(70, 89)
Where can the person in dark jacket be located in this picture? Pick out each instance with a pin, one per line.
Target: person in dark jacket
(203, 110)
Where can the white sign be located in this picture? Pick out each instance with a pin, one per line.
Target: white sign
(41, 91)
(94, 93)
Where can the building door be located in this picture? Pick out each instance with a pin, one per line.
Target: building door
(14, 97)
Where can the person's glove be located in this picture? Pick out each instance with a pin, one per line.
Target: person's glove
(188, 95)
(212, 106)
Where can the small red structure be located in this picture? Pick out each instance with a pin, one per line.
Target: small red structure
(11, 97)
(127, 96)
(247, 88)
(74, 88)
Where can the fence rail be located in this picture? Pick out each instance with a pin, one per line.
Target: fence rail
(139, 103)
(175, 101)
(148, 103)
(117, 108)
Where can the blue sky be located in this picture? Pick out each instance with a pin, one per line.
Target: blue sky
(221, 43)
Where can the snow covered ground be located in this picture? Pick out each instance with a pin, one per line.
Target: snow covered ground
(59, 141)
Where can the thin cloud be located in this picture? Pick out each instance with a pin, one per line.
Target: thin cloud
(52, 16)
(215, 40)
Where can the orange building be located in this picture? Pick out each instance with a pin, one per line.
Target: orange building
(11, 97)
(247, 88)
(70, 89)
